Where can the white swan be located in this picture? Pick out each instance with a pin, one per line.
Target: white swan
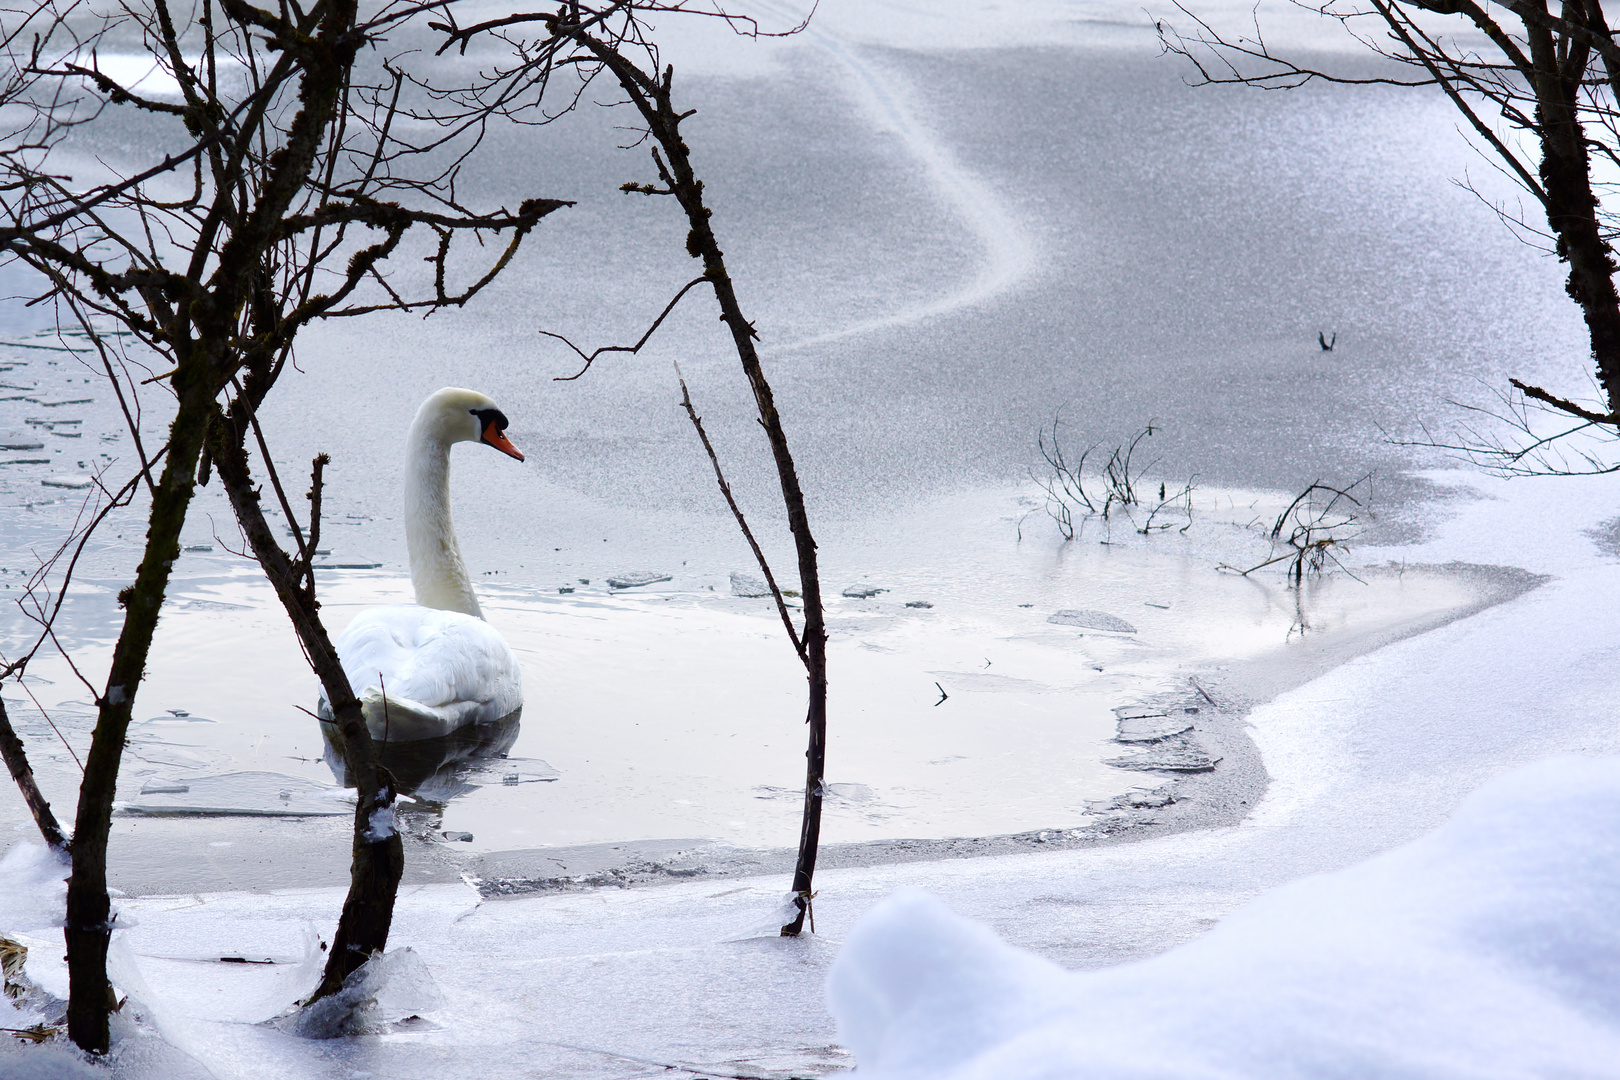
(442, 665)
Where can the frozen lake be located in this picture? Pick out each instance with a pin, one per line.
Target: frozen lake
(943, 246)
(674, 710)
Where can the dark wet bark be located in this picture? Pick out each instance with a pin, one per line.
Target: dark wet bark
(1571, 205)
(11, 748)
(88, 928)
(378, 855)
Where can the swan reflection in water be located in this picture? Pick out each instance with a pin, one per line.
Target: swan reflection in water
(438, 685)
(436, 770)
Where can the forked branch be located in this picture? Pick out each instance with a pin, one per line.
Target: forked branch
(590, 358)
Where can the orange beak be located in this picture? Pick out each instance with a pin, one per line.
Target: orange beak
(496, 438)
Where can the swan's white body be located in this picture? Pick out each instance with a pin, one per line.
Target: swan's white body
(442, 666)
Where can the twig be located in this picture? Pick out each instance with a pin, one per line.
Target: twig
(631, 349)
(317, 468)
(1564, 405)
(736, 511)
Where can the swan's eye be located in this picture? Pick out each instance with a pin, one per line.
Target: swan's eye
(486, 417)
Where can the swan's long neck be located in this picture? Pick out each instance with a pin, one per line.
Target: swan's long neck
(437, 572)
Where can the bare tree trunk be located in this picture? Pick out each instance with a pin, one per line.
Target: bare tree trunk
(11, 748)
(689, 191)
(205, 333)
(88, 927)
(378, 859)
(1572, 206)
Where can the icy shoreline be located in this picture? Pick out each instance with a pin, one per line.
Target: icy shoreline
(605, 982)
(1155, 670)
(1222, 699)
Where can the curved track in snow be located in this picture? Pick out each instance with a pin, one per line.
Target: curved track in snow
(1006, 253)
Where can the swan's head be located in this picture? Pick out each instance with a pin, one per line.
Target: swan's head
(454, 415)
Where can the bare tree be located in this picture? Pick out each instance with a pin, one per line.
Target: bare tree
(613, 39)
(274, 191)
(1541, 92)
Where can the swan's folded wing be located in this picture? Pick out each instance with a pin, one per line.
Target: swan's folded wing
(441, 663)
(404, 720)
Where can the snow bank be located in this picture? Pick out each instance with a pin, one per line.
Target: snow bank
(384, 990)
(33, 888)
(44, 1062)
(1486, 948)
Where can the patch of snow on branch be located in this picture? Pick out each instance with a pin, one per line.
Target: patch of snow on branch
(380, 825)
(1486, 948)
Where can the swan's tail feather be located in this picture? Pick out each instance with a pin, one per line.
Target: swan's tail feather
(399, 719)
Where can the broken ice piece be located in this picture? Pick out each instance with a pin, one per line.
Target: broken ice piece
(252, 794)
(743, 585)
(1092, 620)
(1151, 728)
(463, 837)
(164, 787)
(75, 483)
(636, 579)
(862, 592)
(1167, 759)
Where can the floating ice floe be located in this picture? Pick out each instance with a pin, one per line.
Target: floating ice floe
(636, 579)
(244, 794)
(743, 585)
(1134, 729)
(862, 592)
(1181, 756)
(1092, 620)
(74, 483)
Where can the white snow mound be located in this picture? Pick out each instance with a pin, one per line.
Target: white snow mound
(1484, 949)
(33, 889)
(385, 989)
